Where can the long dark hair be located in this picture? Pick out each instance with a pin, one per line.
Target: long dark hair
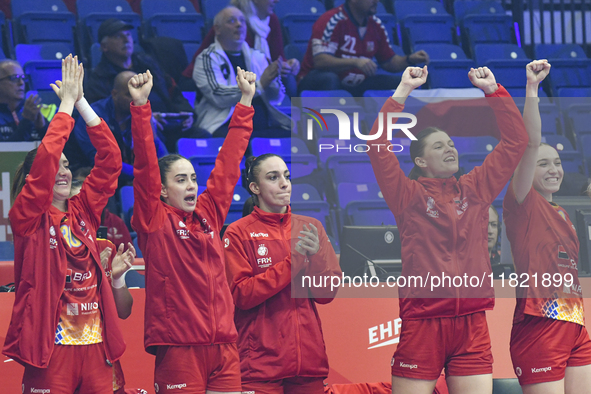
(252, 171)
(21, 173)
(417, 149)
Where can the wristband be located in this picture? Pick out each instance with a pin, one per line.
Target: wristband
(85, 110)
(119, 282)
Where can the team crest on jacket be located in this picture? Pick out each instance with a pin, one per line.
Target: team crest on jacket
(431, 211)
(226, 242)
(182, 225)
(461, 205)
(262, 251)
(52, 231)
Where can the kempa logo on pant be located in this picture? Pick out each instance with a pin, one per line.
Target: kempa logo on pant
(176, 386)
(40, 391)
(409, 366)
(538, 370)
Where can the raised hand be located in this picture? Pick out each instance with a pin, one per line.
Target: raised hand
(246, 81)
(67, 89)
(32, 108)
(81, 83)
(484, 79)
(140, 86)
(123, 261)
(537, 70)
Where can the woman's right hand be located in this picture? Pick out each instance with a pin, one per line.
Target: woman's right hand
(537, 71)
(140, 86)
(412, 78)
(68, 88)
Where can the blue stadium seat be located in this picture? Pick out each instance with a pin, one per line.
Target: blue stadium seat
(42, 73)
(6, 251)
(464, 8)
(115, 7)
(127, 198)
(423, 22)
(190, 50)
(47, 51)
(570, 158)
(278, 146)
(551, 119)
(210, 9)
(302, 165)
(369, 213)
(405, 8)
(448, 67)
(203, 148)
(134, 279)
(579, 118)
(350, 167)
(482, 144)
(567, 73)
(317, 209)
(559, 51)
(486, 29)
(238, 199)
(574, 92)
(304, 192)
(172, 18)
(2, 24)
(310, 7)
(485, 53)
(40, 21)
(298, 28)
(348, 192)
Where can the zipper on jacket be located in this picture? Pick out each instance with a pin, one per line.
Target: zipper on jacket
(211, 295)
(454, 224)
(295, 311)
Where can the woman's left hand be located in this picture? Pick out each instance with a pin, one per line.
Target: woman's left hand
(309, 240)
(484, 79)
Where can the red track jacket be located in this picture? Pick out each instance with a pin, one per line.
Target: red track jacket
(279, 331)
(188, 301)
(443, 222)
(40, 260)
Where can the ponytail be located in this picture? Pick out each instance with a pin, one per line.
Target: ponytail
(21, 173)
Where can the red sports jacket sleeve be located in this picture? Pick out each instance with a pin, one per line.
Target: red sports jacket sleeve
(394, 184)
(37, 194)
(499, 165)
(226, 172)
(248, 289)
(101, 184)
(323, 264)
(148, 214)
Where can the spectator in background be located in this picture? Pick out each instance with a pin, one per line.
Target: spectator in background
(173, 113)
(215, 76)
(493, 235)
(117, 231)
(340, 54)
(264, 34)
(20, 119)
(114, 110)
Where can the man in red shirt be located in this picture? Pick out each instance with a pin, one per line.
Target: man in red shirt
(340, 54)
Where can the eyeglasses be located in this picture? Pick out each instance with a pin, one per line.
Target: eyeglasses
(15, 78)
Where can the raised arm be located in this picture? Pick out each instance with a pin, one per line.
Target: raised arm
(394, 184)
(147, 213)
(250, 289)
(524, 174)
(490, 178)
(226, 172)
(101, 183)
(37, 194)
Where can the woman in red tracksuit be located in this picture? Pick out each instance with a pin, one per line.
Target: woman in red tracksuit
(550, 346)
(189, 310)
(64, 326)
(279, 333)
(443, 224)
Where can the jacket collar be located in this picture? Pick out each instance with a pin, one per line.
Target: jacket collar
(273, 218)
(439, 185)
